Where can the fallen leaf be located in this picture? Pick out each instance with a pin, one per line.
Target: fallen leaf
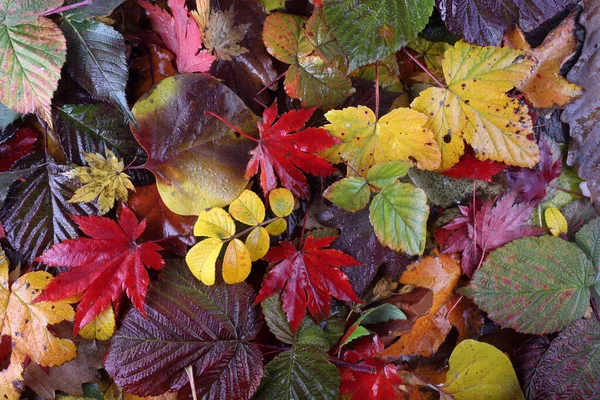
(17, 147)
(287, 149)
(102, 327)
(475, 108)
(222, 36)
(307, 277)
(555, 221)
(400, 135)
(102, 179)
(152, 66)
(545, 88)
(478, 370)
(103, 266)
(470, 167)
(181, 35)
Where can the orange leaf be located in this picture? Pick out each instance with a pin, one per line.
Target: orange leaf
(545, 88)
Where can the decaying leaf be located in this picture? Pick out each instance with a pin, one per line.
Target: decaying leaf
(102, 179)
(222, 36)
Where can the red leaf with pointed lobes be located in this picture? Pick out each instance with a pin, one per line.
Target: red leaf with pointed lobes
(472, 168)
(289, 155)
(102, 266)
(308, 277)
(380, 384)
(181, 35)
(17, 147)
(491, 227)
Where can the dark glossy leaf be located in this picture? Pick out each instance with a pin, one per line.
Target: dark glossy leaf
(570, 369)
(484, 21)
(94, 129)
(188, 323)
(197, 160)
(96, 60)
(17, 147)
(583, 114)
(304, 371)
(371, 30)
(8, 178)
(527, 360)
(534, 285)
(37, 213)
(97, 8)
(358, 239)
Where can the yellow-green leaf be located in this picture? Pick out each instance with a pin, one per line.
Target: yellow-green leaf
(475, 107)
(277, 227)
(555, 221)
(281, 201)
(202, 259)
(214, 223)
(103, 178)
(400, 135)
(100, 328)
(258, 243)
(236, 262)
(481, 371)
(248, 208)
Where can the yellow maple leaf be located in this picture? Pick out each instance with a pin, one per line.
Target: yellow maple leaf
(475, 107)
(400, 135)
(545, 88)
(27, 325)
(103, 179)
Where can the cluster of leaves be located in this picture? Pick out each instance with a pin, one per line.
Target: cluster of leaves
(407, 199)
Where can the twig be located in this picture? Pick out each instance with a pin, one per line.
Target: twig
(377, 90)
(266, 87)
(425, 69)
(66, 8)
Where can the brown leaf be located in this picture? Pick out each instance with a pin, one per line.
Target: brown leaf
(546, 88)
(154, 65)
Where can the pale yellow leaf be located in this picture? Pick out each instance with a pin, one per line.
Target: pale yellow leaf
(202, 258)
(102, 327)
(236, 262)
(214, 223)
(281, 201)
(555, 221)
(248, 208)
(258, 243)
(277, 227)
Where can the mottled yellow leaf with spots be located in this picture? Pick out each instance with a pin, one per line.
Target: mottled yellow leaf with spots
(400, 135)
(214, 223)
(555, 221)
(100, 328)
(257, 243)
(248, 208)
(236, 262)
(475, 107)
(102, 179)
(277, 227)
(281, 201)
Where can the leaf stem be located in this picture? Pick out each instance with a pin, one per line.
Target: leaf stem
(242, 233)
(66, 8)
(301, 244)
(190, 374)
(266, 87)
(231, 126)
(425, 69)
(377, 90)
(354, 367)
(566, 190)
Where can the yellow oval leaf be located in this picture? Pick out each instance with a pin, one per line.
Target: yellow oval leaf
(282, 202)
(100, 328)
(555, 221)
(236, 262)
(201, 259)
(164, 396)
(480, 371)
(277, 227)
(258, 243)
(214, 223)
(248, 208)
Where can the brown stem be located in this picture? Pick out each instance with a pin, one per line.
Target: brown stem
(231, 126)
(425, 69)
(266, 87)
(66, 8)
(242, 233)
(377, 90)
(355, 367)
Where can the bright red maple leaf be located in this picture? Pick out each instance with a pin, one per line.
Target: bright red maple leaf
(531, 184)
(308, 277)
(491, 227)
(102, 266)
(181, 35)
(470, 167)
(289, 154)
(382, 383)
(17, 147)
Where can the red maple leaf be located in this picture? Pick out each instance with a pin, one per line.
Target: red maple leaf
(490, 227)
(289, 154)
(181, 35)
(308, 277)
(382, 383)
(470, 167)
(531, 184)
(16, 147)
(102, 266)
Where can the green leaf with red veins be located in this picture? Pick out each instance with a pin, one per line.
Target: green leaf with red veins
(34, 52)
